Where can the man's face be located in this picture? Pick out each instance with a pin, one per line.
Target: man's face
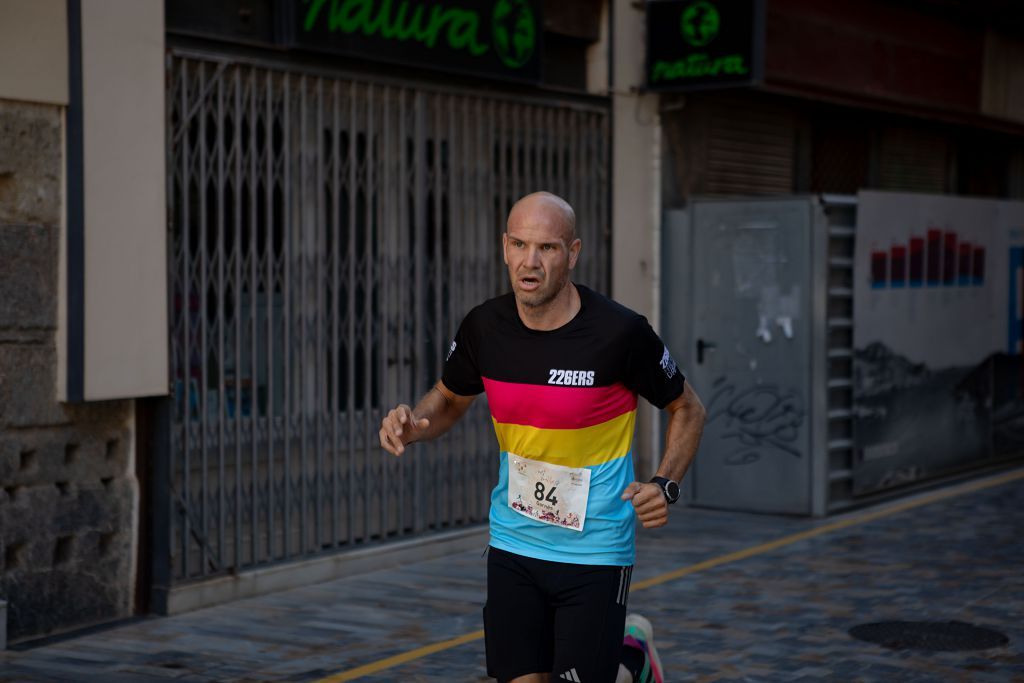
(538, 255)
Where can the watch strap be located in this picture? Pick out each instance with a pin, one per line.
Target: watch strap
(664, 482)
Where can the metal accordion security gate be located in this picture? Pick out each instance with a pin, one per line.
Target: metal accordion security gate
(327, 234)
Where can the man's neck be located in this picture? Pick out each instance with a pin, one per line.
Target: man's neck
(553, 314)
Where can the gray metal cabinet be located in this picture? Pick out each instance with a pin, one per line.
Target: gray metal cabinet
(753, 307)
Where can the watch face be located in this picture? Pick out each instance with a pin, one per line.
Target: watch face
(672, 491)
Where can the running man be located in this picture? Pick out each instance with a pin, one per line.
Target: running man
(562, 367)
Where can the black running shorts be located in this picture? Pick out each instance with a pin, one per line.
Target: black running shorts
(566, 619)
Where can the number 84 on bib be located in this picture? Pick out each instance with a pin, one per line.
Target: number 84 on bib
(550, 494)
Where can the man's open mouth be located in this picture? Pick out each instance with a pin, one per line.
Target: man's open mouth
(529, 282)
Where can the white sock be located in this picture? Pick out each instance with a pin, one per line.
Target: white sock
(624, 675)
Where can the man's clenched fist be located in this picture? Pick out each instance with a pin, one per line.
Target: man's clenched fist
(399, 428)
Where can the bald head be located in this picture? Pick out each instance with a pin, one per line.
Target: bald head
(540, 249)
(544, 207)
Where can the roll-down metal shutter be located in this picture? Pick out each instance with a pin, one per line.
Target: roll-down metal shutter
(750, 149)
(913, 160)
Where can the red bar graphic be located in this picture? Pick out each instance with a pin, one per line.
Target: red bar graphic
(934, 261)
(949, 259)
(879, 268)
(898, 272)
(916, 261)
(964, 272)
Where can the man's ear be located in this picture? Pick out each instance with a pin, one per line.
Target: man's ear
(574, 252)
(504, 247)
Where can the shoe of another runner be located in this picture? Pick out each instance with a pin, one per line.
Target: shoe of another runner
(639, 634)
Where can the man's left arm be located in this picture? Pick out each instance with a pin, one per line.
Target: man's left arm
(682, 436)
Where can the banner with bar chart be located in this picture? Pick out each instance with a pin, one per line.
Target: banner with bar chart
(938, 330)
(951, 261)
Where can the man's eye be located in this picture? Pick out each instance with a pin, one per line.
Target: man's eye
(548, 247)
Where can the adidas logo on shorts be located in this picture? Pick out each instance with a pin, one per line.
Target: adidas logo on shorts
(570, 675)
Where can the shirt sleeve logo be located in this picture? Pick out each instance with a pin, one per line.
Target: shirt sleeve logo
(451, 350)
(668, 365)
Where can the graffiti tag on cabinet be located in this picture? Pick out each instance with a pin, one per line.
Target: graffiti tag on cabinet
(762, 419)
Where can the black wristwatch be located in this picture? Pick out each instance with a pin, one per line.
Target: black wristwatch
(668, 487)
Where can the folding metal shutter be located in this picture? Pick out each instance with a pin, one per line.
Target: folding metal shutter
(327, 234)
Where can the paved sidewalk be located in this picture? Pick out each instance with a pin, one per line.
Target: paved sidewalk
(733, 597)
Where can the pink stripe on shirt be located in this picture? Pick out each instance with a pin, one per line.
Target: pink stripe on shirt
(556, 407)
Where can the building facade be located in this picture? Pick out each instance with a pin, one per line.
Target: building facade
(233, 236)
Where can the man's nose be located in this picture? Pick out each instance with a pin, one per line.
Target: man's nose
(533, 257)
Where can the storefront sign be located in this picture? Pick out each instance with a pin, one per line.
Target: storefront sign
(694, 44)
(494, 38)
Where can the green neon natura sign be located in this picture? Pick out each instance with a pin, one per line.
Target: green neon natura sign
(513, 26)
(698, 66)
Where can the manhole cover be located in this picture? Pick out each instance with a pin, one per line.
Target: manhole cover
(929, 635)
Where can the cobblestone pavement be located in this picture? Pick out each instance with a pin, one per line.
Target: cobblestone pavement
(733, 597)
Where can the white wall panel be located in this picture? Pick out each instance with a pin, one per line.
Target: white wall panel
(125, 337)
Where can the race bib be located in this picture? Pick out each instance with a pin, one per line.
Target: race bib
(552, 494)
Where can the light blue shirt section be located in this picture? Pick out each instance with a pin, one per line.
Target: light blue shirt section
(609, 533)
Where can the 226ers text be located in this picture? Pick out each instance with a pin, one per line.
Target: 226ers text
(571, 378)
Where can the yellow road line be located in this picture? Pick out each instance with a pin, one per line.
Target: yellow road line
(963, 489)
(381, 664)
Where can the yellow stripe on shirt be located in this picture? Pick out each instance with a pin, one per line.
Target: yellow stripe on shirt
(582, 447)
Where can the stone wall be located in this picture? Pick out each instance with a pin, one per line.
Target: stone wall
(67, 487)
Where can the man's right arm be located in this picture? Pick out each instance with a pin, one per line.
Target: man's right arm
(434, 415)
